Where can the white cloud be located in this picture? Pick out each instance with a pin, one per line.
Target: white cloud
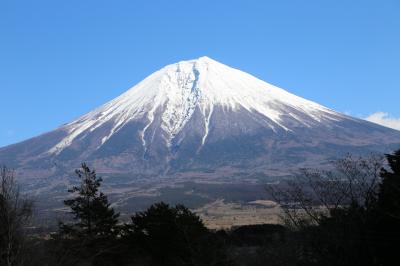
(384, 119)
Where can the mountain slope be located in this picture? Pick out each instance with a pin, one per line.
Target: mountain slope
(193, 119)
(178, 90)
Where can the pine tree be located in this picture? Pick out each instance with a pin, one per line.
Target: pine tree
(92, 212)
(170, 235)
(386, 232)
(389, 193)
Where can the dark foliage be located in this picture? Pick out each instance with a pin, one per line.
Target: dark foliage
(92, 212)
(386, 219)
(174, 236)
(347, 217)
(92, 235)
(15, 214)
(257, 235)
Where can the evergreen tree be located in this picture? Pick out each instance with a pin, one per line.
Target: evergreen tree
(173, 235)
(92, 212)
(389, 193)
(386, 233)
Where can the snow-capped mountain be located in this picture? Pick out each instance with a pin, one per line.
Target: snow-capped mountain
(174, 93)
(197, 118)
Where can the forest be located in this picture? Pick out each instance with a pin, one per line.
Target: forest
(348, 215)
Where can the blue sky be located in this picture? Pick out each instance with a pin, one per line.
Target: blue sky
(60, 59)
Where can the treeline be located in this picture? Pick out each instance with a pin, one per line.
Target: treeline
(349, 215)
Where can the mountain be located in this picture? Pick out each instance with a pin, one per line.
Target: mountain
(190, 121)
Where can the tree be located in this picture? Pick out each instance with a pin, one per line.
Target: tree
(15, 214)
(329, 212)
(386, 219)
(92, 212)
(313, 194)
(389, 189)
(173, 236)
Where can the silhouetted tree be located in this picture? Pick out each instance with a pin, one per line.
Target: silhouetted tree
(174, 236)
(389, 189)
(314, 194)
(15, 213)
(386, 232)
(92, 212)
(329, 212)
(93, 232)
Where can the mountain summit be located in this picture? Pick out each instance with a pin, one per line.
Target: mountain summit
(198, 118)
(174, 95)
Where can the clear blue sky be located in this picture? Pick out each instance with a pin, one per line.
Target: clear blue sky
(60, 59)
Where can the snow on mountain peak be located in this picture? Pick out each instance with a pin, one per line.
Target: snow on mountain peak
(177, 90)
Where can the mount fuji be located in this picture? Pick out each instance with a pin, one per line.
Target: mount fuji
(195, 120)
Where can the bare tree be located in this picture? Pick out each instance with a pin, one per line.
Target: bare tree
(314, 194)
(15, 213)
